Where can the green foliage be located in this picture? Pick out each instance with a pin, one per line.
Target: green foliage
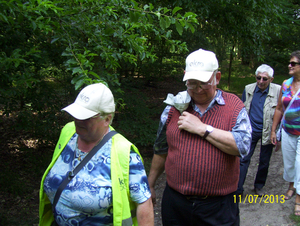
(241, 76)
(98, 35)
(49, 49)
(249, 31)
(138, 119)
(75, 43)
(78, 43)
(296, 219)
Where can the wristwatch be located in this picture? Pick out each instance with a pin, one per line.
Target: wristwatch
(209, 129)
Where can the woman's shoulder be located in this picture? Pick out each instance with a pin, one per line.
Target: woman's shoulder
(288, 82)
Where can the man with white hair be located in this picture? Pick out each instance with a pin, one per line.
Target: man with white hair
(260, 99)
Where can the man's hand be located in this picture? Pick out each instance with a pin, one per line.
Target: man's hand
(153, 195)
(222, 139)
(191, 123)
(157, 168)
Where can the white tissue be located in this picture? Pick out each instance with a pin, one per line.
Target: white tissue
(181, 101)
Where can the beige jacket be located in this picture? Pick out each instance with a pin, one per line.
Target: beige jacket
(269, 108)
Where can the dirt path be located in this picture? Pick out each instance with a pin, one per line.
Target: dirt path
(272, 213)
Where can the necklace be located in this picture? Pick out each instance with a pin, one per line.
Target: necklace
(80, 154)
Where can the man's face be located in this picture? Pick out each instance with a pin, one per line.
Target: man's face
(203, 92)
(263, 80)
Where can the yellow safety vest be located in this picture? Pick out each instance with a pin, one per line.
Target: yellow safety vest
(124, 210)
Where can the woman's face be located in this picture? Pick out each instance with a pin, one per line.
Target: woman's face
(294, 70)
(91, 129)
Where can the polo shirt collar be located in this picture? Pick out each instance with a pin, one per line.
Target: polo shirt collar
(257, 90)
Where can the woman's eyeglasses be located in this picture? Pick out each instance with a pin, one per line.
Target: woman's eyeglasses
(293, 64)
(96, 116)
(264, 78)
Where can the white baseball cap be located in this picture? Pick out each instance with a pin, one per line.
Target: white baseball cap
(92, 100)
(200, 65)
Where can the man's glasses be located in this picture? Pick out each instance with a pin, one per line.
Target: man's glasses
(195, 85)
(293, 64)
(264, 78)
(96, 116)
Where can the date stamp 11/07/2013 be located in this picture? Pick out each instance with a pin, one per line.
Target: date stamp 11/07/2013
(248, 198)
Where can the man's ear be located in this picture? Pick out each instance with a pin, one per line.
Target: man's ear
(218, 77)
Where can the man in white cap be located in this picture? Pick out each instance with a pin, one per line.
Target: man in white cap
(199, 150)
(112, 187)
(260, 99)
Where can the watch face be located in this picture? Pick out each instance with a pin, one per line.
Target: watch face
(209, 129)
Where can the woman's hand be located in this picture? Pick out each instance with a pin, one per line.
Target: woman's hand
(273, 138)
(277, 146)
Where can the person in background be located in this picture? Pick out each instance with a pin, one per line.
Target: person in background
(290, 132)
(112, 188)
(199, 149)
(260, 99)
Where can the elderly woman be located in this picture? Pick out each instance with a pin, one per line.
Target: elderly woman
(290, 136)
(112, 187)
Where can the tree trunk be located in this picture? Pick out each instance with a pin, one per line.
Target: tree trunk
(230, 65)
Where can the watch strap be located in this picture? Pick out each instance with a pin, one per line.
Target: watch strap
(209, 129)
(205, 134)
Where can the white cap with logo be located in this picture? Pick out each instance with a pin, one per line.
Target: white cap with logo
(200, 65)
(92, 100)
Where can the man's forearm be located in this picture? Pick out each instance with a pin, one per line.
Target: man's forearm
(224, 141)
(157, 168)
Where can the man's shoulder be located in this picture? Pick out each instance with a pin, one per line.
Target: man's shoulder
(232, 103)
(252, 85)
(276, 86)
(230, 96)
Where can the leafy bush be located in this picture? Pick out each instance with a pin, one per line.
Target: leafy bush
(137, 120)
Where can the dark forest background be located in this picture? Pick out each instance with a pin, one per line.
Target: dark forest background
(50, 50)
